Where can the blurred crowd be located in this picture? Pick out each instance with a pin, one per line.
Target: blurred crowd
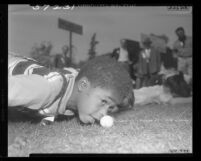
(148, 61)
(151, 61)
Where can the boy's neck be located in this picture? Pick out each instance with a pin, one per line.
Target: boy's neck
(72, 100)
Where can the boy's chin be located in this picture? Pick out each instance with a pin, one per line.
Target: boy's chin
(86, 119)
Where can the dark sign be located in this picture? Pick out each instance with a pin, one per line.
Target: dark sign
(66, 25)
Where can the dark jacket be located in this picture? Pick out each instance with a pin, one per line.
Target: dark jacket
(152, 67)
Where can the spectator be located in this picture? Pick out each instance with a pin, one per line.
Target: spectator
(183, 51)
(148, 65)
(168, 61)
(127, 54)
(59, 61)
(175, 83)
(115, 53)
(123, 54)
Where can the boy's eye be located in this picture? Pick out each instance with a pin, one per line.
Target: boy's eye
(104, 102)
(112, 109)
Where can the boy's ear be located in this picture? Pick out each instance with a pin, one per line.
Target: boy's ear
(83, 84)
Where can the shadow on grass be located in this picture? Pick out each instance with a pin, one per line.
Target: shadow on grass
(20, 114)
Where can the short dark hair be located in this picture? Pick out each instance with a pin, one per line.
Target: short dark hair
(179, 29)
(107, 73)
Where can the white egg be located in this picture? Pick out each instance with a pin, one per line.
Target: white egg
(107, 121)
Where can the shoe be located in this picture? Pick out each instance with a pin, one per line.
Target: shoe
(47, 121)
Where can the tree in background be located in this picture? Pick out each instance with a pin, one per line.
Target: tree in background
(41, 53)
(92, 50)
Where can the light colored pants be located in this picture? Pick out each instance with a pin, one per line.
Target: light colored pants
(185, 65)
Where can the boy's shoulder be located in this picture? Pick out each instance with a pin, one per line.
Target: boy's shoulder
(27, 66)
(70, 71)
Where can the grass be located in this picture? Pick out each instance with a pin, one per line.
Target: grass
(146, 129)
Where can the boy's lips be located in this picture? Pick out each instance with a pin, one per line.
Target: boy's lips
(97, 118)
(87, 119)
(90, 118)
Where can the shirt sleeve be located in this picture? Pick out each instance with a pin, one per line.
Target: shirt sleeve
(31, 91)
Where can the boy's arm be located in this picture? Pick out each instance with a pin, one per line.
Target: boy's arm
(31, 91)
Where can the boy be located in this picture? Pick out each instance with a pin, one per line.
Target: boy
(100, 87)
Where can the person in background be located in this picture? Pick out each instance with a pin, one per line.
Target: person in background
(168, 59)
(123, 54)
(148, 65)
(127, 54)
(183, 51)
(172, 79)
(115, 54)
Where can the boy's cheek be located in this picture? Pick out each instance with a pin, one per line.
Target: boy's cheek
(86, 106)
(84, 114)
(83, 108)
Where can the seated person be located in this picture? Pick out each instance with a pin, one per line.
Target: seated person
(101, 86)
(174, 88)
(177, 85)
(173, 79)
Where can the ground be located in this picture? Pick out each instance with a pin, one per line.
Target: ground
(146, 129)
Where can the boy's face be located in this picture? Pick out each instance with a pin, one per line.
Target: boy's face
(94, 103)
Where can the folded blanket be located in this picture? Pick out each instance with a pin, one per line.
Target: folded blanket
(155, 94)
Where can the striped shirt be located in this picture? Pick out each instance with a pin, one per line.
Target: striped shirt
(37, 87)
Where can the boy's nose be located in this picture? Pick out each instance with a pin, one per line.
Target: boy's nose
(99, 114)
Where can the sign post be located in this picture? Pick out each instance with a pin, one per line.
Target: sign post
(71, 27)
(70, 44)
